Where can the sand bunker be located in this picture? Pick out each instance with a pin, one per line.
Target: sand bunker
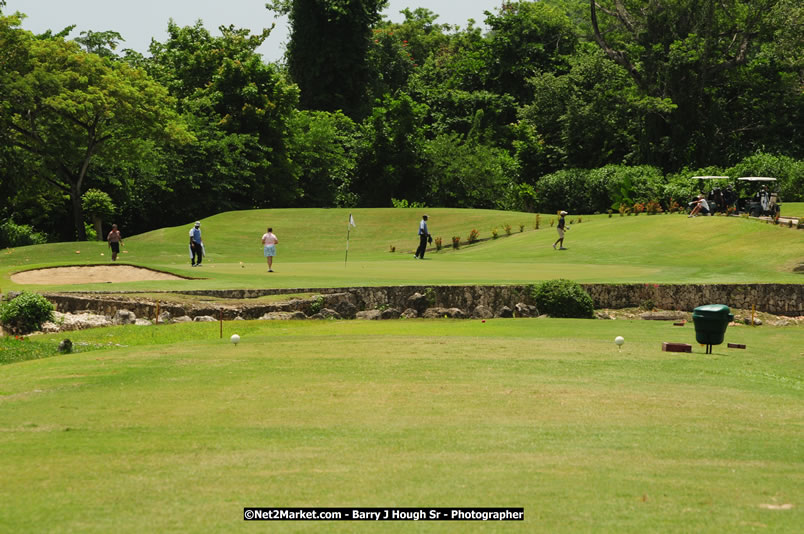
(89, 274)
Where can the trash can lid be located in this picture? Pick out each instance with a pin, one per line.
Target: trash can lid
(712, 309)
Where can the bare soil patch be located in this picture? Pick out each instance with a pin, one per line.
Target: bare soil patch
(89, 274)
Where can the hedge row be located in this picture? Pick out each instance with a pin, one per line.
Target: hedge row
(598, 190)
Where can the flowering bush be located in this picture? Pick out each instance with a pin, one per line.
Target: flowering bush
(473, 236)
(456, 241)
(438, 243)
(653, 207)
(673, 207)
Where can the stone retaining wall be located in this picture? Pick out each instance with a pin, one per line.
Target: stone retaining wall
(777, 299)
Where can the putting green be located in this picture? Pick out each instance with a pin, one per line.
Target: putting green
(312, 251)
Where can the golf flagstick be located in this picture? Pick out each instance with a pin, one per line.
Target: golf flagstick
(348, 228)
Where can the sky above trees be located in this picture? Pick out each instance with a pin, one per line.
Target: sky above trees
(139, 21)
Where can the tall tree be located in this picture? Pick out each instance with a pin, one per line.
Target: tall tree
(103, 44)
(239, 108)
(585, 118)
(326, 54)
(67, 106)
(390, 164)
(525, 39)
(682, 50)
(322, 148)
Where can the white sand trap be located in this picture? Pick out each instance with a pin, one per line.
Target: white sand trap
(89, 274)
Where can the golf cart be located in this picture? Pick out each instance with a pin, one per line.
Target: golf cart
(763, 201)
(719, 198)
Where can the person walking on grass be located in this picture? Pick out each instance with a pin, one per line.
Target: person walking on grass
(269, 242)
(196, 245)
(115, 241)
(424, 236)
(561, 229)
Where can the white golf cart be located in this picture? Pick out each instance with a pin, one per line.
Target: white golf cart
(762, 201)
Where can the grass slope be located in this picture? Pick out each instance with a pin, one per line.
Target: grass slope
(173, 429)
(666, 248)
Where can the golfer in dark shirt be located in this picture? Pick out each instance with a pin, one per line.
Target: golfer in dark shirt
(424, 235)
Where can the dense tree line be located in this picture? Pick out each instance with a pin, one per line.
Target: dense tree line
(363, 110)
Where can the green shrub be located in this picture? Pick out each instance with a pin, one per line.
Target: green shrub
(562, 298)
(680, 189)
(92, 234)
(596, 190)
(19, 235)
(317, 305)
(25, 313)
(403, 203)
(97, 205)
(789, 172)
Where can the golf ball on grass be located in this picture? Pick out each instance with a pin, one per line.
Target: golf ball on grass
(235, 339)
(619, 340)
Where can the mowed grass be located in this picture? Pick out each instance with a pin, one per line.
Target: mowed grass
(792, 209)
(312, 251)
(171, 428)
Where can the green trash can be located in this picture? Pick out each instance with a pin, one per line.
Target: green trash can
(711, 322)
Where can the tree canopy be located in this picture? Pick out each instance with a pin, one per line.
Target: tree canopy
(363, 110)
(67, 107)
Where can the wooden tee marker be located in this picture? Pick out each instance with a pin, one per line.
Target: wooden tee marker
(676, 347)
(736, 346)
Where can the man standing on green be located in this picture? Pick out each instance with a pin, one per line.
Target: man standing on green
(424, 235)
(196, 245)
